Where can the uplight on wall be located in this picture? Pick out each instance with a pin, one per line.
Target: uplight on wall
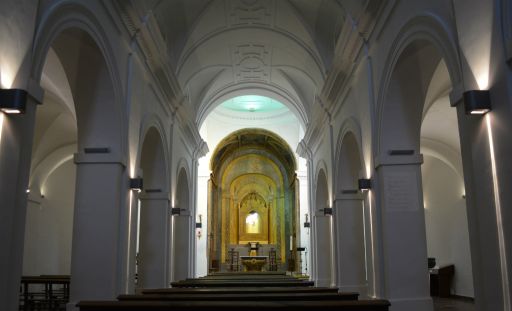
(13, 101)
(199, 226)
(136, 184)
(477, 102)
(364, 184)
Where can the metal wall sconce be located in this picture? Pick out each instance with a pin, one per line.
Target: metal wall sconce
(307, 224)
(477, 102)
(175, 211)
(136, 184)
(364, 184)
(199, 224)
(13, 101)
(328, 211)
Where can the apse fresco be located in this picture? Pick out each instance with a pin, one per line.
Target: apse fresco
(252, 198)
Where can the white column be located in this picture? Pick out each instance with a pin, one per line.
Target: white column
(16, 135)
(182, 245)
(322, 250)
(350, 244)
(406, 282)
(154, 241)
(101, 185)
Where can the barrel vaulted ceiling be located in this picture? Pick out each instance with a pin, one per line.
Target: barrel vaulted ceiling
(218, 49)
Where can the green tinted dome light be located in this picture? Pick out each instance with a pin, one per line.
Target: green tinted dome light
(253, 103)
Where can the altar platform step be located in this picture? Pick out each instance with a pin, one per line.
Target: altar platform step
(241, 290)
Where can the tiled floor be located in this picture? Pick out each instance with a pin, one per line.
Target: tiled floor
(453, 304)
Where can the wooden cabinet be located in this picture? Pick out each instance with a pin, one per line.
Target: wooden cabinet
(441, 281)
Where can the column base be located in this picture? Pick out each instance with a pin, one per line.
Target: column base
(416, 304)
(324, 282)
(71, 306)
(361, 289)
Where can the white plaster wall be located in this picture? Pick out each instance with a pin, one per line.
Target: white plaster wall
(446, 222)
(49, 225)
(16, 26)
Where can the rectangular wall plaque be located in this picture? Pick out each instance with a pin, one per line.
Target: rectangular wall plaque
(401, 191)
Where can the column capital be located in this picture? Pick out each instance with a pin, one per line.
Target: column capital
(157, 196)
(352, 196)
(393, 160)
(99, 158)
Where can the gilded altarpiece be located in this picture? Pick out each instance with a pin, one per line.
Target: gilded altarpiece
(252, 197)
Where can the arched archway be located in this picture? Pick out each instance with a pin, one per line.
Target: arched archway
(50, 206)
(154, 235)
(404, 96)
(182, 228)
(349, 218)
(253, 171)
(101, 178)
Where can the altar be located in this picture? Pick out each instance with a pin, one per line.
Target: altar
(254, 263)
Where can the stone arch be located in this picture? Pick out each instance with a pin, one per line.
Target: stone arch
(182, 186)
(182, 225)
(153, 129)
(281, 95)
(82, 47)
(246, 163)
(424, 31)
(349, 129)
(421, 45)
(322, 231)
(349, 216)
(68, 28)
(154, 221)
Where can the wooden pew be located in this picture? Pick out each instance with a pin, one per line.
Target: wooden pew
(241, 290)
(229, 296)
(338, 305)
(241, 283)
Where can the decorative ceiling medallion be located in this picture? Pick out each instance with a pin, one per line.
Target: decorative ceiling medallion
(251, 62)
(251, 12)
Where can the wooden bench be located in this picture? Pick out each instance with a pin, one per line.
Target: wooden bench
(237, 283)
(312, 296)
(242, 290)
(339, 305)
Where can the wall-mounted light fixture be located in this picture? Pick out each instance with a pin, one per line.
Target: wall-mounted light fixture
(199, 224)
(136, 184)
(364, 184)
(13, 101)
(477, 102)
(307, 224)
(175, 211)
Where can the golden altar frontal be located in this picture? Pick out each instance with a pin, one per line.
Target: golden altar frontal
(254, 263)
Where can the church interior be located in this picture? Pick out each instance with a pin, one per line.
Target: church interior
(255, 154)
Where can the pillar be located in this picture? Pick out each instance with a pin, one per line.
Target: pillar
(404, 245)
(349, 220)
(182, 245)
(16, 136)
(154, 241)
(322, 251)
(101, 184)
